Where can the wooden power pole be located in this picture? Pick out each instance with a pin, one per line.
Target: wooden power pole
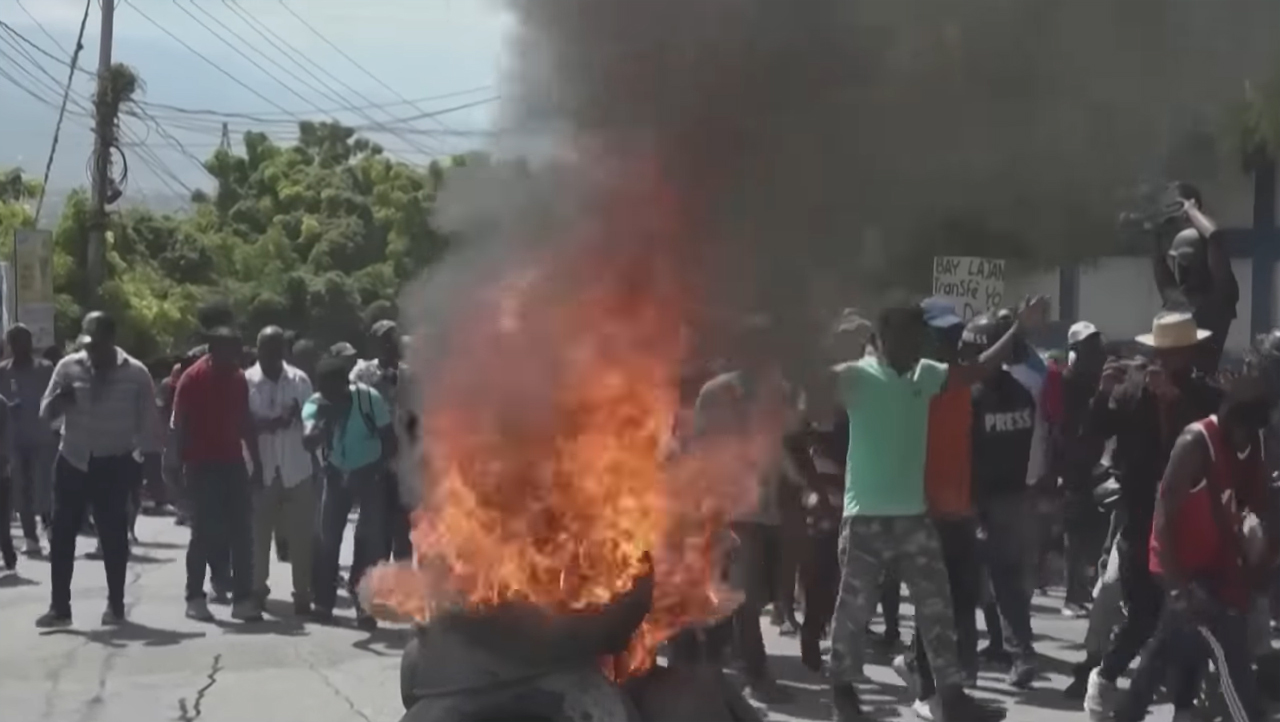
(96, 261)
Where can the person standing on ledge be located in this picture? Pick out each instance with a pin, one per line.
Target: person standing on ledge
(1195, 275)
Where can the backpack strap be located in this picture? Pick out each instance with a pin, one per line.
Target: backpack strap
(370, 423)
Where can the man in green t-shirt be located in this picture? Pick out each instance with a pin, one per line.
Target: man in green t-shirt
(884, 528)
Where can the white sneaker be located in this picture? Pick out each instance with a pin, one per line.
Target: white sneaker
(907, 676)
(924, 708)
(1099, 697)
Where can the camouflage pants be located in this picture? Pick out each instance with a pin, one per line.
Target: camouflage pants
(908, 547)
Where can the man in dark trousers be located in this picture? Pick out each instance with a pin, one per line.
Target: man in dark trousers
(1004, 419)
(213, 429)
(349, 425)
(1145, 412)
(106, 401)
(23, 380)
(387, 372)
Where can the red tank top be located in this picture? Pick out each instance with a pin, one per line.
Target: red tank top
(1202, 548)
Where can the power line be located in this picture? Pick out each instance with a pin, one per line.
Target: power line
(200, 55)
(147, 156)
(295, 76)
(62, 111)
(27, 41)
(240, 52)
(267, 116)
(266, 30)
(344, 54)
(39, 24)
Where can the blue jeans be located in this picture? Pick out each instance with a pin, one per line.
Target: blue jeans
(342, 491)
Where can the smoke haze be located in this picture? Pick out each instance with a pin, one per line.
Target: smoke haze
(828, 148)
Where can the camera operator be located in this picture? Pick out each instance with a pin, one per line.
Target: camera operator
(1195, 274)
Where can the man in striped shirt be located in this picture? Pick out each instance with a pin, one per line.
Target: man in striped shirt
(106, 401)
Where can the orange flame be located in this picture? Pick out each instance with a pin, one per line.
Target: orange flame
(547, 426)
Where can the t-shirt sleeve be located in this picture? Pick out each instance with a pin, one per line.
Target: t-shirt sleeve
(381, 411)
(932, 376)
(848, 375)
(309, 410)
(181, 399)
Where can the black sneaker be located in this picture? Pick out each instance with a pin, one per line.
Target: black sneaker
(53, 620)
(1079, 681)
(1022, 674)
(366, 622)
(845, 705)
(958, 705)
(113, 617)
(768, 692)
(302, 608)
(811, 652)
(321, 615)
(995, 656)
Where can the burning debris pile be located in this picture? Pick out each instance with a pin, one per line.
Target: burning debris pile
(551, 493)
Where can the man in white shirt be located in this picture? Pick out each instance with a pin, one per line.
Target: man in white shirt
(277, 392)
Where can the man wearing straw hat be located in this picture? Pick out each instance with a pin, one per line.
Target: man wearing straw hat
(1144, 410)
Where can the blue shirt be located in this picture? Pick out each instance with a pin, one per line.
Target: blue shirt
(358, 443)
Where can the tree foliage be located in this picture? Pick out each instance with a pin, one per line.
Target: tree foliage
(318, 237)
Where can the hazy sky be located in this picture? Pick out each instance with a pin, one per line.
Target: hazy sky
(420, 48)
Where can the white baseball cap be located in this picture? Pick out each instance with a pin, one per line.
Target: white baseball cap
(1079, 331)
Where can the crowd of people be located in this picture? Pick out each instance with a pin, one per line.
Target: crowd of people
(954, 457)
(237, 441)
(943, 454)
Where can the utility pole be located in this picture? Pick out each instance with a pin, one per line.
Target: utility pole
(103, 131)
(225, 143)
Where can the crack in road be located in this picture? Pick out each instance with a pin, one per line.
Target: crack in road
(89, 708)
(54, 678)
(328, 682)
(192, 713)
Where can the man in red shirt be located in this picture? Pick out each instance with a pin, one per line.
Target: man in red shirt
(213, 429)
(1215, 472)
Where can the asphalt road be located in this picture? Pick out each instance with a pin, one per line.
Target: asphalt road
(164, 667)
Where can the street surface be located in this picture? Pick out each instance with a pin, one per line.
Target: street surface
(164, 667)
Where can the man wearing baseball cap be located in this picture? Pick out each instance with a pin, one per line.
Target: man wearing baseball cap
(1077, 457)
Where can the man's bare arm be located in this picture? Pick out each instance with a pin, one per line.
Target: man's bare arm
(1188, 466)
(1215, 245)
(1166, 282)
(968, 374)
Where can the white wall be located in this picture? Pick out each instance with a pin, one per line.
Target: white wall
(1119, 296)
(1044, 283)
